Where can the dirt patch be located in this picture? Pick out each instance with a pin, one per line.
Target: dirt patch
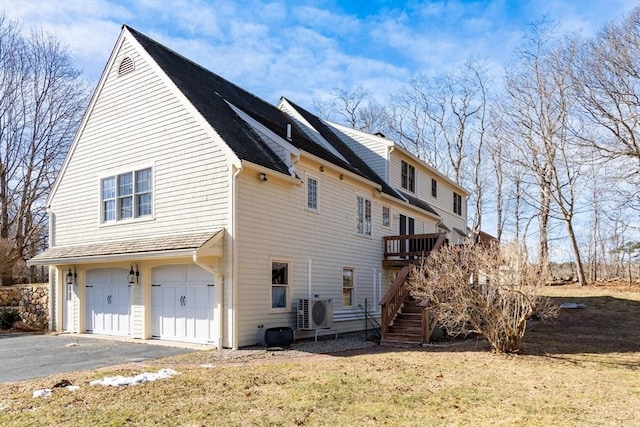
(20, 327)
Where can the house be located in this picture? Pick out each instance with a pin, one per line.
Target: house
(188, 209)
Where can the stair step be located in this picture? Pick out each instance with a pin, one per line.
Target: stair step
(409, 316)
(401, 324)
(400, 344)
(404, 337)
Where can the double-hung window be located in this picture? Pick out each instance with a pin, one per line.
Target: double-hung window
(347, 287)
(312, 193)
(280, 280)
(363, 216)
(386, 216)
(408, 177)
(126, 195)
(457, 203)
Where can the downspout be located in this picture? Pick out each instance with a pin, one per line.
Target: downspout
(216, 282)
(386, 165)
(234, 257)
(52, 242)
(309, 264)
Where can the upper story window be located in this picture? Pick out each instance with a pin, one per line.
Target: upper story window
(434, 187)
(126, 195)
(363, 216)
(280, 280)
(408, 178)
(386, 216)
(312, 193)
(457, 203)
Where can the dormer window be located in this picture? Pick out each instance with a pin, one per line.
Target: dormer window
(126, 66)
(408, 178)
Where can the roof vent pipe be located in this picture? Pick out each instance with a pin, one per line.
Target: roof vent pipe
(289, 131)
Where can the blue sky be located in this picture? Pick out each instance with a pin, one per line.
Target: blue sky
(304, 49)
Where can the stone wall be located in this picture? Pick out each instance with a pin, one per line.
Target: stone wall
(31, 301)
(9, 296)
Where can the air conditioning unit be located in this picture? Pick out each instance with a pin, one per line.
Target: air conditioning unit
(315, 313)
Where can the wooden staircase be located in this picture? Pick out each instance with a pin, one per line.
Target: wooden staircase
(407, 328)
(403, 323)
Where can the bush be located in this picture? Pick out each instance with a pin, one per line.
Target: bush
(489, 290)
(8, 316)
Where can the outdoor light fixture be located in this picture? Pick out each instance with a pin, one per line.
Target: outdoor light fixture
(72, 276)
(133, 274)
(263, 177)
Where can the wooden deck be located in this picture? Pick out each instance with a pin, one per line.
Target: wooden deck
(410, 249)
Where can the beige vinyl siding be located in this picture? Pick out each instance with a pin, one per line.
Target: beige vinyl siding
(443, 204)
(370, 148)
(138, 122)
(274, 224)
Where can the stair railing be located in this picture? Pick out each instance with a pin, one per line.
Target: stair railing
(369, 319)
(393, 299)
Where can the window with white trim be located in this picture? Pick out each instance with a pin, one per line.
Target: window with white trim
(434, 188)
(408, 177)
(363, 216)
(348, 275)
(312, 193)
(280, 281)
(386, 216)
(126, 195)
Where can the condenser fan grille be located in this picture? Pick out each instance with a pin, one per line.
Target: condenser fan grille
(319, 313)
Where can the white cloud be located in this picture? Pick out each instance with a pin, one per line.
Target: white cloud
(274, 47)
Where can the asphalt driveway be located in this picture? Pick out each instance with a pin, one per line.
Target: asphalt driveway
(31, 356)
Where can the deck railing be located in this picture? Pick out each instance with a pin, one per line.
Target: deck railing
(411, 246)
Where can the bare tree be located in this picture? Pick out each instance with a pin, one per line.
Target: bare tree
(608, 77)
(540, 112)
(43, 98)
(489, 290)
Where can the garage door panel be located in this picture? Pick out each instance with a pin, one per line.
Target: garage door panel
(182, 307)
(108, 302)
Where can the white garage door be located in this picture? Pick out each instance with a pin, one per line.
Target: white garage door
(182, 303)
(108, 301)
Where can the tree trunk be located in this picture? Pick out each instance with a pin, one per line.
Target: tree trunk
(576, 253)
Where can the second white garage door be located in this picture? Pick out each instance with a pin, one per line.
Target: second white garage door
(182, 303)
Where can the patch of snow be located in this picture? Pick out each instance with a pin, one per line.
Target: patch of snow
(119, 381)
(71, 344)
(572, 305)
(73, 387)
(208, 366)
(44, 392)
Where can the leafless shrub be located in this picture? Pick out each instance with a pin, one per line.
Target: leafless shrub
(489, 290)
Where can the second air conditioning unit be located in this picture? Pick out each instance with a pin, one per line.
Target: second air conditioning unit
(315, 313)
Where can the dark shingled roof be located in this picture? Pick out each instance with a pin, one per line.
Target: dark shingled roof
(419, 203)
(327, 133)
(207, 91)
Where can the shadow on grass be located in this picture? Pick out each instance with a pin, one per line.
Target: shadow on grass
(606, 326)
